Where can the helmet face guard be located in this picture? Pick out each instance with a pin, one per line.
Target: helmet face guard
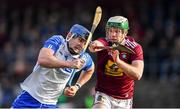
(79, 31)
(118, 22)
(123, 25)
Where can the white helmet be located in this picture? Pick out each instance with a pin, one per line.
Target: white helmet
(118, 22)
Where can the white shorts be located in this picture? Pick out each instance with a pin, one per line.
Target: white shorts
(111, 102)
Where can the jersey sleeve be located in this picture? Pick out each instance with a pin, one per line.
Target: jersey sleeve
(138, 53)
(53, 42)
(88, 63)
(103, 41)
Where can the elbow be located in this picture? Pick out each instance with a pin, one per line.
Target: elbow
(138, 76)
(42, 61)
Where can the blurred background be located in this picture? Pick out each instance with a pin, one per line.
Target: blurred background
(155, 24)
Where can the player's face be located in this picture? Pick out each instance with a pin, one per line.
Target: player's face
(77, 44)
(115, 34)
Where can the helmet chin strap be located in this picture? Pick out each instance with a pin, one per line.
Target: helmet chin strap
(69, 38)
(70, 49)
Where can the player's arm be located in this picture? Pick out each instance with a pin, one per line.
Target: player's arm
(47, 58)
(84, 77)
(133, 70)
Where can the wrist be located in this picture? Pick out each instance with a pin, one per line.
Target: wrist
(77, 85)
(68, 64)
(117, 60)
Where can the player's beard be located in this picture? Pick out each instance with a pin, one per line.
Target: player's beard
(71, 50)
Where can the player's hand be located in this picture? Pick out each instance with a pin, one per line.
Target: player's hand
(115, 55)
(70, 91)
(94, 46)
(77, 63)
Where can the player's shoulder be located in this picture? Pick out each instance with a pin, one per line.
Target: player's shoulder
(57, 37)
(86, 55)
(131, 42)
(103, 40)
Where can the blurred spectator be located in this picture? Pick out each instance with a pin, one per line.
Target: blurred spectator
(175, 61)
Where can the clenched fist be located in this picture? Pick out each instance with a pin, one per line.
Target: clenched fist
(70, 91)
(94, 46)
(115, 55)
(77, 63)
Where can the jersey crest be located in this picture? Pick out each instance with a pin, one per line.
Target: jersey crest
(112, 69)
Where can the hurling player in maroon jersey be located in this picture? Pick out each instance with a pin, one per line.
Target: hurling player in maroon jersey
(117, 70)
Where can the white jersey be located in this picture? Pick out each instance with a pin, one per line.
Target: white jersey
(47, 84)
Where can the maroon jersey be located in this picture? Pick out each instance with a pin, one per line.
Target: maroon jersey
(112, 80)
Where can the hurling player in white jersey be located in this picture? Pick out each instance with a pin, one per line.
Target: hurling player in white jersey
(58, 60)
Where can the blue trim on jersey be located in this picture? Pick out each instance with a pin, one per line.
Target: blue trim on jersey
(89, 61)
(54, 42)
(25, 100)
(88, 64)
